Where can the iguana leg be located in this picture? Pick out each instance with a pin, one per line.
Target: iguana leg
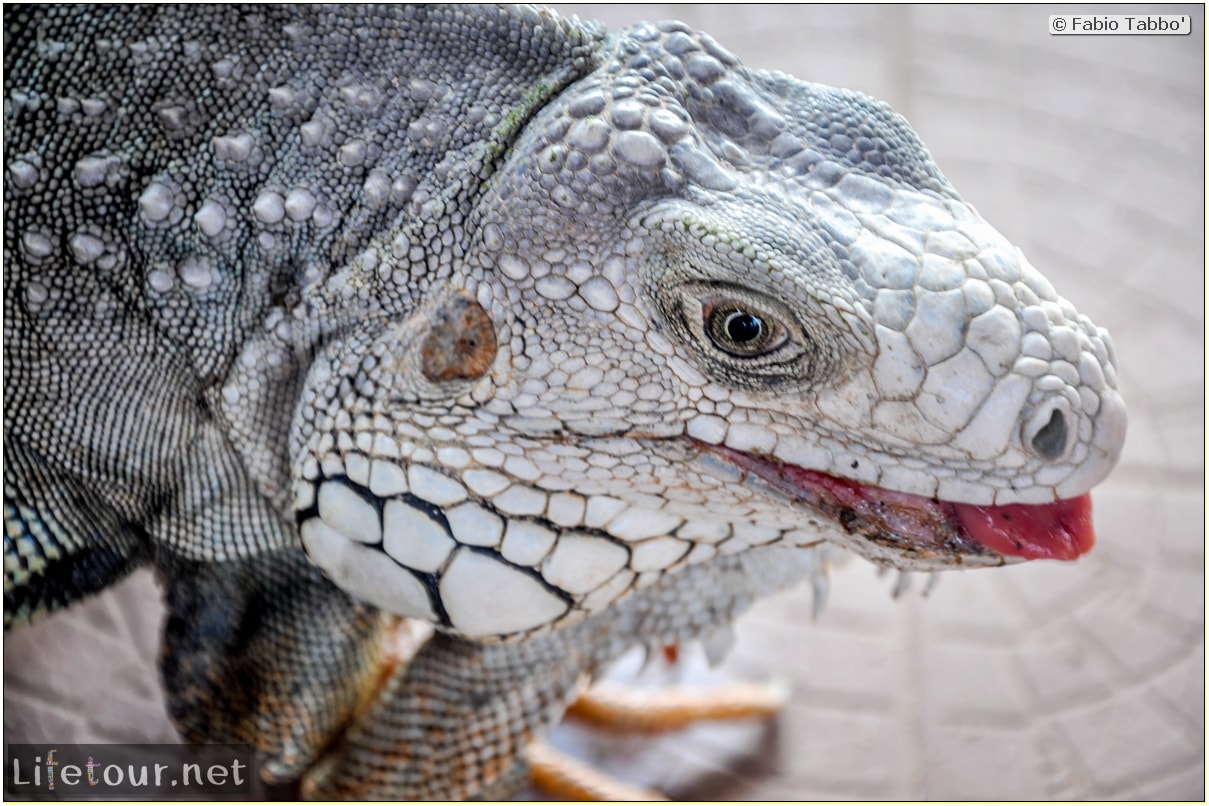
(457, 720)
(387, 754)
(454, 723)
(60, 542)
(267, 652)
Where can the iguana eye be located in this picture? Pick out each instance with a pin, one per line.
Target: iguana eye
(750, 338)
(741, 330)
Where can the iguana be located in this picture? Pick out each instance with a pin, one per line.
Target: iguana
(558, 340)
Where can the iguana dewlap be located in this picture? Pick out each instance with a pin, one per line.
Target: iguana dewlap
(560, 341)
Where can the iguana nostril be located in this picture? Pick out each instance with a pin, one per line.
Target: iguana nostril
(1050, 442)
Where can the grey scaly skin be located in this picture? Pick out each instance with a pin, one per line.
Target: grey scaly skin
(559, 341)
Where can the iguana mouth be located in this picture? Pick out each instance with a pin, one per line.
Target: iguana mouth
(928, 527)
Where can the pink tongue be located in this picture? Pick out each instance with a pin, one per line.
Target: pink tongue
(1058, 531)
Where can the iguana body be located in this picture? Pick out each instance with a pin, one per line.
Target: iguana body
(561, 342)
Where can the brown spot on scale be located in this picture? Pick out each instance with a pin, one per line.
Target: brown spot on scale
(461, 344)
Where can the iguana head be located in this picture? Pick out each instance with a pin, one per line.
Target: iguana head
(703, 309)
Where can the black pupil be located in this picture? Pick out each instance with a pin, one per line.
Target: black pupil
(743, 327)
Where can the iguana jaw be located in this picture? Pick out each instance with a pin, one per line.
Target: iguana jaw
(926, 532)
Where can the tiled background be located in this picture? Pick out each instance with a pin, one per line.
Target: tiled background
(1081, 681)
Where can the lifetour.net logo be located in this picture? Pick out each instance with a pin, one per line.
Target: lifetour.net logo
(74, 771)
